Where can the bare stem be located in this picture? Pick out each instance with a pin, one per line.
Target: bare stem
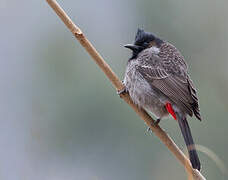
(162, 135)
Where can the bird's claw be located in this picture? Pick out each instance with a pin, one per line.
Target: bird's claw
(121, 91)
(148, 129)
(157, 122)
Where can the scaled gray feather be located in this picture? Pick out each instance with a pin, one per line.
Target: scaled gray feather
(167, 71)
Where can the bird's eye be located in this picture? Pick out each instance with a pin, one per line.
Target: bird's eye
(145, 44)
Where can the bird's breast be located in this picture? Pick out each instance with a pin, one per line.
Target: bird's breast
(142, 93)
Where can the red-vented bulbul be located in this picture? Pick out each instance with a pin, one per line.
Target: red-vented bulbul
(157, 79)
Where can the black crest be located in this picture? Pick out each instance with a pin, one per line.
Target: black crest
(142, 36)
(142, 41)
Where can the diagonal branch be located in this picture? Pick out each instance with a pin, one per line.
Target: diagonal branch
(169, 143)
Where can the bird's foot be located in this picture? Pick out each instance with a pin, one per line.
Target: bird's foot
(149, 129)
(154, 124)
(122, 91)
(157, 121)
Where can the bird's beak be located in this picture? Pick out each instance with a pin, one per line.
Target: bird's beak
(132, 47)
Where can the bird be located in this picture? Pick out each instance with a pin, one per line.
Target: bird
(157, 80)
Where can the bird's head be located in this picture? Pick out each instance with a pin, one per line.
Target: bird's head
(143, 40)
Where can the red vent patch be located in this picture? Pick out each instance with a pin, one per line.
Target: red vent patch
(170, 110)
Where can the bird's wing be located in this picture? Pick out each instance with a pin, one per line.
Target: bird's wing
(195, 104)
(175, 84)
(177, 91)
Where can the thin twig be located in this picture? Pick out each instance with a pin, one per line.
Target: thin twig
(162, 135)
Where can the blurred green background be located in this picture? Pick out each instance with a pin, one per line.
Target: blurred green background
(60, 116)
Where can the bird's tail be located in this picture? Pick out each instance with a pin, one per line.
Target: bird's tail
(186, 132)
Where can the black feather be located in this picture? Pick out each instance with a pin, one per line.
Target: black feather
(186, 132)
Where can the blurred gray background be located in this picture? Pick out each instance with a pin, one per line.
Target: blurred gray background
(62, 119)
